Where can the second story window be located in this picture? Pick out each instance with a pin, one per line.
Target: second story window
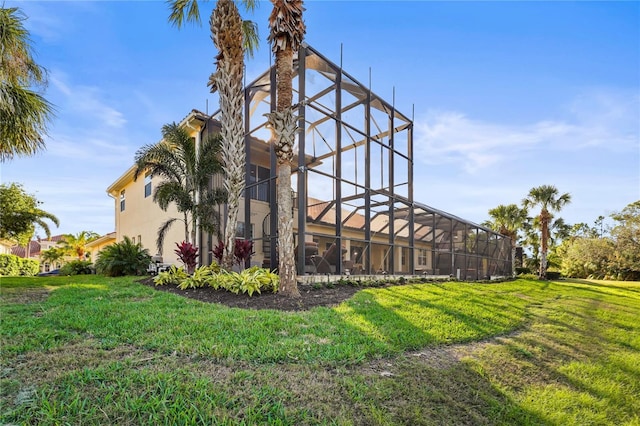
(259, 175)
(147, 184)
(122, 200)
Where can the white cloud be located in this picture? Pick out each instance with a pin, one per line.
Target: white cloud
(598, 118)
(88, 103)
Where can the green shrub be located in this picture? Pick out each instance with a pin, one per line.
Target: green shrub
(123, 258)
(522, 270)
(9, 265)
(77, 267)
(12, 265)
(199, 278)
(29, 267)
(250, 281)
(553, 275)
(172, 276)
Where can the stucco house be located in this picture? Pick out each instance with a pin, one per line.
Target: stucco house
(35, 249)
(352, 183)
(94, 247)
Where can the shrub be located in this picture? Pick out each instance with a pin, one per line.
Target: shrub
(29, 267)
(77, 267)
(522, 270)
(188, 254)
(9, 265)
(553, 275)
(172, 276)
(123, 258)
(242, 251)
(251, 280)
(199, 278)
(12, 265)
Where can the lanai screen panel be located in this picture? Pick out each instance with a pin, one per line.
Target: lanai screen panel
(352, 179)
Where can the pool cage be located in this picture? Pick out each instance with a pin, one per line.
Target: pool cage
(352, 183)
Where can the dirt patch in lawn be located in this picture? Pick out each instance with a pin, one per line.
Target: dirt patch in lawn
(24, 295)
(310, 297)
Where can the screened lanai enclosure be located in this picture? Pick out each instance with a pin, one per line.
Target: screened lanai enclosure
(352, 184)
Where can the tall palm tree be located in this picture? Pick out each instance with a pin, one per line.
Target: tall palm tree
(548, 198)
(185, 177)
(24, 112)
(286, 32)
(76, 244)
(508, 220)
(231, 36)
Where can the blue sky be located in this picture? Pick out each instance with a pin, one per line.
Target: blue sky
(506, 95)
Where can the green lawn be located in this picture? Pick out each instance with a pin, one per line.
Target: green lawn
(95, 350)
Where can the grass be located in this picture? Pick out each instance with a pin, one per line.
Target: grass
(96, 350)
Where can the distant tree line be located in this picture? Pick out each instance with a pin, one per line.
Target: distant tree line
(549, 244)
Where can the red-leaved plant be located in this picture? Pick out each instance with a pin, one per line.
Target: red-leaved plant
(218, 252)
(188, 254)
(242, 251)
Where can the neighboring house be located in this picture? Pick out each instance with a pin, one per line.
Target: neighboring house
(36, 247)
(5, 246)
(354, 180)
(94, 247)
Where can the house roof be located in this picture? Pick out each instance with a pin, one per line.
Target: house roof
(35, 247)
(111, 236)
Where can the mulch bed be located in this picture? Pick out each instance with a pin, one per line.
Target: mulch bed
(310, 297)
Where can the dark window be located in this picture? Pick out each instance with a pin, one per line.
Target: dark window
(240, 231)
(122, 200)
(259, 183)
(147, 184)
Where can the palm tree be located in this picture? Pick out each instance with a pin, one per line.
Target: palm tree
(231, 36)
(549, 200)
(52, 255)
(287, 31)
(186, 174)
(508, 220)
(76, 244)
(24, 113)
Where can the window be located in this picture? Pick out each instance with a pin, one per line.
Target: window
(147, 184)
(422, 257)
(122, 200)
(261, 175)
(240, 231)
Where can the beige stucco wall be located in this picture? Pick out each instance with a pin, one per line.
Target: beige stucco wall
(141, 219)
(95, 247)
(5, 246)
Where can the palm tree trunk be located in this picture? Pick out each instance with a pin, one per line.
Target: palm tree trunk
(544, 224)
(227, 34)
(284, 125)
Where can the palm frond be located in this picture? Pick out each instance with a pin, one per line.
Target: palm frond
(162, 232)
(182, 11)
